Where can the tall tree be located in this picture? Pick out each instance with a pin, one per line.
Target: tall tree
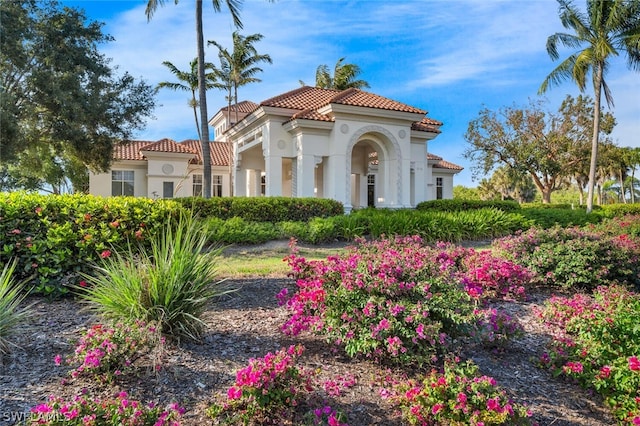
(608, 28)
(344, 77)
(188, 82)
(242, 63)
(547, 146)
(61, 105)
(633, 157)
(233, 6)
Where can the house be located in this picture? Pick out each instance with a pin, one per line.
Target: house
(162, 169)
(353, 146)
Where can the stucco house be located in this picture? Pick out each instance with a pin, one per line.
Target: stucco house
(353, 146)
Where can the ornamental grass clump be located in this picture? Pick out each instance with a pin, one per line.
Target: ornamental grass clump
(598, 343)
(386, 300)
(82, 410)
(108, 351)
(266, 392)
(170, 285)
(11, 296)
(458, 395)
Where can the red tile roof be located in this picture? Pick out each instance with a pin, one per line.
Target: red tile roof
(129, 150)
(132, 150)
(308, 100)
(246, 107)
(439, 163)
(444, 164)
(315, 98)
(168, 145)
(220, 151)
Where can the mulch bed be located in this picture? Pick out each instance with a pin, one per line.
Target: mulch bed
(245, 325)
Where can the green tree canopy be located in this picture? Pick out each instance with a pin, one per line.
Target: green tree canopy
(547, 146)
(344, 77)
(608, 28)
(62, 106)
(240, 66)
(188, 82)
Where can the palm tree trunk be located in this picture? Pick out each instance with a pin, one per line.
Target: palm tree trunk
(622, 191)
(597, 89)
(202, 90)
(195, 114)
(633, 178)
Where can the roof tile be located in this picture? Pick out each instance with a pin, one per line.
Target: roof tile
(220, 151)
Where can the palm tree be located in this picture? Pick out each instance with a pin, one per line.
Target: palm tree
(609, 27)
(233, 6)
(344, 77)
(240, 65)
(188, 82)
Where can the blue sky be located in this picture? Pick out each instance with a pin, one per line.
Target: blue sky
(449, 57)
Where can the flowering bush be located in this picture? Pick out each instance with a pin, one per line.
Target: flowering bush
(106, 351)
(456, 396)
(484, 276)
(573, 257)
(495, 329)
(386, 300)
(598, 344)
(266, 391)
(120, 410)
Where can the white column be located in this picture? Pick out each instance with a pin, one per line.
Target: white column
(273, 169)
(306, 175)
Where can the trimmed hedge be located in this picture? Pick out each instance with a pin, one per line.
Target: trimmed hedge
(263, 209)
(457, 205)
(54, 237)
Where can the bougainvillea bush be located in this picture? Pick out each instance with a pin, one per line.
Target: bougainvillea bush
(82, 410)
(269, 391)
(457, 395)
(392, 300)
(108, 351)
(573, 257)
(598, 343)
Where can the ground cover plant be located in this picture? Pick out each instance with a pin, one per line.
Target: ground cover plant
(84, 410)
(598, 344)
(457, 395)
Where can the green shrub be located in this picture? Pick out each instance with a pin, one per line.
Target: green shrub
(548, 217)
(457, 205)
(597, 342)
(55, 237)
(573, 257)
(10, 299)
(263, 209)
(239, 231)
(171, 285)
(614, 210)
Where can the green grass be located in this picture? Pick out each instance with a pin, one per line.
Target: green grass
(249, 262)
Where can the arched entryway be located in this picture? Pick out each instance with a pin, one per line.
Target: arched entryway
(373, 169)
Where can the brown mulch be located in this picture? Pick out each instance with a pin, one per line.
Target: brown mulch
(246, 325)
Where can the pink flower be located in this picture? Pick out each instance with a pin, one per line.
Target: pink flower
(462, 398)
(493, 404)
(234, 393)
(58, 359)
(436, 408)
(636, 421)
(105, 254)
(634, 363)
(605, 371)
